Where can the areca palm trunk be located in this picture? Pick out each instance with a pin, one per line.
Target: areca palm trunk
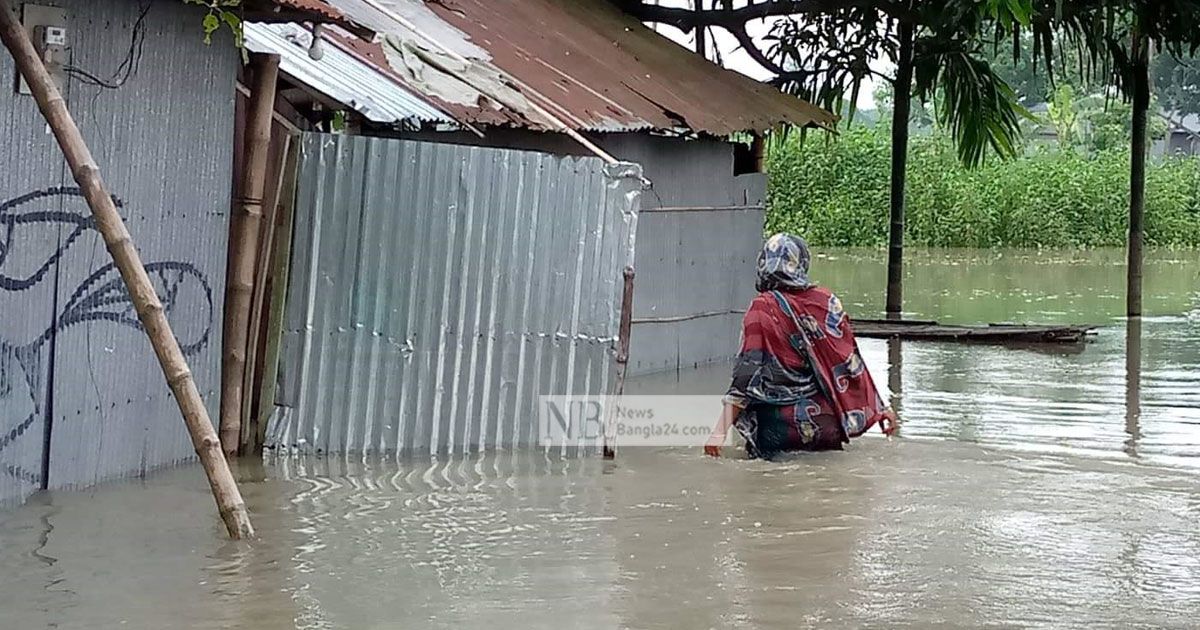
(900, 115)
(1137, 174)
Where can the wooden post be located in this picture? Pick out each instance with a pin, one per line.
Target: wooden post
(903, 98)
(758, 148)
(284, 177)
(1137, 174)
(262, 367)
(244, 228)
(624, 332)
(141, 291)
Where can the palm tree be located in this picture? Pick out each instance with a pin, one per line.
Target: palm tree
(823, 51)
(942, 57)
(1114, 39)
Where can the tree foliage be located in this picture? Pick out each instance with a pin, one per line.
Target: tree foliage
(221, 12)
(825, 50)
(1177, 83)
(1027, 76)
(1109, 38)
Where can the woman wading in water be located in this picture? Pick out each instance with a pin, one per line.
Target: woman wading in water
(800, 383)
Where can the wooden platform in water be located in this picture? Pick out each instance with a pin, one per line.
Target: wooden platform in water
(992, 333)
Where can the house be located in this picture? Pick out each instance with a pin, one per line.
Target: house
(1183, 135)
(82, 397)
(470, 94)
(531, 74)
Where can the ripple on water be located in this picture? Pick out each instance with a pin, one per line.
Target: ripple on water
(1029, 489)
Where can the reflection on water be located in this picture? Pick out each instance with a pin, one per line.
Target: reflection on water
(1133, 384)
(1104, 401)
(1030, 489)
(895, 378)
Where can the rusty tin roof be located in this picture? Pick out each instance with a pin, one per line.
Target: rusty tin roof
(316, 9)
(594, 66)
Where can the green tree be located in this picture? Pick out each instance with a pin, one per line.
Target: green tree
(1026, 73)
(822, 50)
(1064, 115)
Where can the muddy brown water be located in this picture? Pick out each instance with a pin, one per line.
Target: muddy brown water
(1029, 489)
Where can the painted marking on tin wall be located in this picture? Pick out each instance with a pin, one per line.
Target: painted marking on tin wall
(101, 297)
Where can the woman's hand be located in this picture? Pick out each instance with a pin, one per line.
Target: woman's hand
(713, 447)
(890, 422)
(729, 413)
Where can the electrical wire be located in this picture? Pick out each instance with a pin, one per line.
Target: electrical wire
(129, 66)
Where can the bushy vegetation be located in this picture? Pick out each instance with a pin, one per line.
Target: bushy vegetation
(834, 192)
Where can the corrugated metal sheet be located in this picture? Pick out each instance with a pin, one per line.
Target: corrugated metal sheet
(697, 259)
(436, 290)
(700, 271)
(605, 70)
(342, 77)
(71, 353)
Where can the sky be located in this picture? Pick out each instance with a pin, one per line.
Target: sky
(736, 59)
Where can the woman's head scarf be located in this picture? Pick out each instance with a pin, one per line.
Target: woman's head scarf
(783, 264)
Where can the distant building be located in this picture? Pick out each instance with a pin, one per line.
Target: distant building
(1183, 135)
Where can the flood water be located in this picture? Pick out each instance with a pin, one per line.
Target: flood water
(1028, 489)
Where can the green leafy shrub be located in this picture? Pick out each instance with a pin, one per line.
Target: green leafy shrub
(834, 191)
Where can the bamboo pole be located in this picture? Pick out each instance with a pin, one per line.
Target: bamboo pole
(1137, 175)
(282, 176)
(244, 228)
(903, 98)
(141, 291)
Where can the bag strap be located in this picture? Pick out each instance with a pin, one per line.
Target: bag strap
(790, 312)
(807, 350)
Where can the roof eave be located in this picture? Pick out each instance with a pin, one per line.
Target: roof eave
(277, 11)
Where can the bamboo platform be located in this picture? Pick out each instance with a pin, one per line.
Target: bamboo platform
(992, 333)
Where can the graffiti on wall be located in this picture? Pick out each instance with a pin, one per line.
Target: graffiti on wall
(100, 297)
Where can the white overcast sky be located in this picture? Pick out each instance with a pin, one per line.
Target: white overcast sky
(735, 58)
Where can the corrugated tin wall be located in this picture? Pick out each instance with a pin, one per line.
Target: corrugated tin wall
(76, 373)
(437, 290)
(687, 173)
(693, 279)
(693, 261)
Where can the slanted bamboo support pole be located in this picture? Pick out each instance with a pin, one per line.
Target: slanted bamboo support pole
(244, 228)
(141, 291)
